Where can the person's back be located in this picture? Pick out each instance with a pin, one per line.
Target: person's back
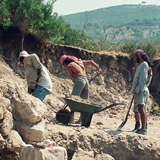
(32, 63)
(76, 68)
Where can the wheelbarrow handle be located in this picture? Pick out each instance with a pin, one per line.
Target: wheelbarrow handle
(107, 107)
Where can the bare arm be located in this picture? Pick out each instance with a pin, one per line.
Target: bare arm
(69, 69)
(91, 62)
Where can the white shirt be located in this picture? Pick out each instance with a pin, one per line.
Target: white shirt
(140, 80)
(32, 63)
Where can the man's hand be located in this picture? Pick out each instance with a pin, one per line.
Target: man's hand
(39, 74)
(135, 94)
(100, 71)
(150, 70)
(134, 70)
(30, 90)
(39, 71)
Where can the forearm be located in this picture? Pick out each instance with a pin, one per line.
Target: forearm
(91, 62)
(70, 73)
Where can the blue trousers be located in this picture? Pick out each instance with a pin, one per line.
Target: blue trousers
(40, 92)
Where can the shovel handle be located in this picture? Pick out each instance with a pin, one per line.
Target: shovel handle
(130, 106)
(124, 122)
(93, 77)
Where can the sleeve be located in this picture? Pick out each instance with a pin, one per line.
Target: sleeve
(142, 78)
(149, 78)
(36, 62)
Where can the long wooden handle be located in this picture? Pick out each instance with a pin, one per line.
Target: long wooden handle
(130, 106)
(93, 78)
(124, 122)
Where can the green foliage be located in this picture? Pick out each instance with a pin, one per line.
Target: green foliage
(150, 47)
(117, 15)
(128, 47)
(37, 17)
(142, 20)
(5, 15)
(32, 16)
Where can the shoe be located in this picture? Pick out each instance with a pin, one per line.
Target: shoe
(141, 131)
(137, 126)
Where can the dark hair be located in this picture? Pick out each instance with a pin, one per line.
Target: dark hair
(146, 58)
(21, 59)
(143, 55)
(68, 60)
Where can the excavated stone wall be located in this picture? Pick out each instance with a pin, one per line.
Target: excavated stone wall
(117, 68)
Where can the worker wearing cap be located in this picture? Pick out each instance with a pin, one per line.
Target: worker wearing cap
(38, 79)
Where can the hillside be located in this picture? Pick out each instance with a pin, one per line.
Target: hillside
(119, 23)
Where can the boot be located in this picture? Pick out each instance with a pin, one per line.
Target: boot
(142, 131)
(137, 126)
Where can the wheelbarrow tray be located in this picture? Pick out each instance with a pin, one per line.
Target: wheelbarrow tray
(83, 107)
(86, 110)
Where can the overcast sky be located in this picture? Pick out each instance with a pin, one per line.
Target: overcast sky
(64, 7)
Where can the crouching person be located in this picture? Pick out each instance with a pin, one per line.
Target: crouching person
(38, 79)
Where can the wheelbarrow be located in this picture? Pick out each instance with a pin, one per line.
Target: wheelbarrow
(86, 110)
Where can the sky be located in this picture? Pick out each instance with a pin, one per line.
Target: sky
(65, 7)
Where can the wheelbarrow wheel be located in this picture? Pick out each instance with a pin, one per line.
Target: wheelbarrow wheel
(63, 116)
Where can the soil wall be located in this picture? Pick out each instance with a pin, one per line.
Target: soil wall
(116, 67)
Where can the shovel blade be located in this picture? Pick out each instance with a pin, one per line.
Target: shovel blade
(122, 124)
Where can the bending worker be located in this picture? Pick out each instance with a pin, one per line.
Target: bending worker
(38, 79)
(76, 69)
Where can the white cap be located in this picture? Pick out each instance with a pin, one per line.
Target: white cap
(23, 54)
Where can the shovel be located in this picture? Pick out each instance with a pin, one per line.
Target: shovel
(124, 122)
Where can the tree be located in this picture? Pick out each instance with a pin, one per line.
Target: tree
(85, 22)
(32, 17)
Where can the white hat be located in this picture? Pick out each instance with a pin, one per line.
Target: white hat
(23, 54)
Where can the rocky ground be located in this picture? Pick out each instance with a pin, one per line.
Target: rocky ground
(99, 141)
